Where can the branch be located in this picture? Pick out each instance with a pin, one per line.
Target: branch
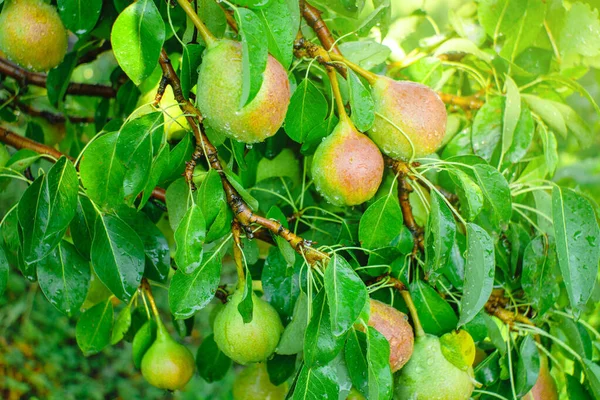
(312, 16)
(33, 78)
(466, 103)
(241, 210)
(20, 142)
(496, 305)
(50, 116)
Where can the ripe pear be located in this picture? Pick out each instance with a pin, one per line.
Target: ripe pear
(220, 91)
(407, 110)
(167, 364)
(347, 167)
(254, 383)
(428, 375)
(393, 324)
(251, 342)
(545, 386)
(32, 34)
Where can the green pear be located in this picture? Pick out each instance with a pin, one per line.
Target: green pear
(347, 167)
(254, 383)
(251, 342)
(407, 112)
(220, 92)
(393, 324)
(32, 34)
(428, 375)
(167, 364)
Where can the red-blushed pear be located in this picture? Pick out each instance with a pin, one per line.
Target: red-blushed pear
(545, 386)
(167, 364)
(248, 342)
(254, 383)
(220, 92)
(32, 34)
(410, 119)
(393, 324)
(347, 168)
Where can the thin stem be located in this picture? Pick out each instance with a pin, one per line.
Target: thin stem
(335, 86)
(206, 34)
(238, 255)
(368, 75)
(419, 332)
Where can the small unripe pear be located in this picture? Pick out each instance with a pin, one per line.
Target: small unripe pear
(429, 375)
(355, 395)
(251, 342)
(167, 364)
(545, 386)
(254, 383)
(220, 91)
(416, 110)
(393, 324)
(347, 168)
(32, 34)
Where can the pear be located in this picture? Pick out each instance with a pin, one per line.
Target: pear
(220, 91)
(167, 364)
(347, 167)
(32, 34)
(355, 395)
(428, 375)
(407, 111)
(393, 324)
(545, 386)
(251, 342)
(254, 383)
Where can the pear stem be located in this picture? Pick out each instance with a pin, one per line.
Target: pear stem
(368, 75)
(337, 94)
(238, 256)
(206, 34)
(419, 332)
(146, 288)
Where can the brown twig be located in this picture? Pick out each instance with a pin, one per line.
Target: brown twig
(19, 142)
(242, 212)
(25, 77)
(94, 53)
(50, 116)
(496, 305)
(312, 16)
(466, 103)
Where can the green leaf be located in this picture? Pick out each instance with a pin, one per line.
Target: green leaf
(59, 78)
(575, 390)
(255, 53)
(212, 363)
(179, 200)
(287, 251)
(93, 331)
(46, 209)
(117, 256)
(246, 306)
(102, 174)
(281, 368)
(190, 61)
(142, 341)
(209, 194)
(479, 273)
(321, 345)
(461, 45)
(355, 355)
(281, 20)
(292, 339)
(190, 293)
(528, 366)
(548, 111)
(189, 237)
(378, 357)
(550, 147)
(306, 113)
(282, 282)
(156, 247)
(79, 16)
(540, 274)
(440, 234)
(4, 268)
(346, 293)
(512, 111)
(82, 226)
(122, 325)
(361, 102)
(486, 132)
(592, 373)
(436, 315)
(234, 180)
(137, 37)
(522, 137)
(469, 193)
(64, 277)
(496, 192)
(381, 223)
(577, 244)
(316, 382)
